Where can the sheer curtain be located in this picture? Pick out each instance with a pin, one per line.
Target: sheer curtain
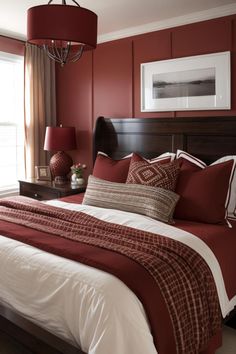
(40, 105)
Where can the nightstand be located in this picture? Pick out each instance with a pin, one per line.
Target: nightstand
(45, 190)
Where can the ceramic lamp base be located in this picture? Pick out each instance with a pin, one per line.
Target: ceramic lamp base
(60, 164)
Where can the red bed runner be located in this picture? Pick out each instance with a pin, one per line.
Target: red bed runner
(222, 241)
(174, 283)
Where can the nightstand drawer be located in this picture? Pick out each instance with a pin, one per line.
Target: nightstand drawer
(38, 192)
(46, 190)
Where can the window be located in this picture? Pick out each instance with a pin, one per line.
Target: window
(11, 121)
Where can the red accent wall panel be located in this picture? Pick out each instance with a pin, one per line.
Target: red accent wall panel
(74, 105)
(202, 38)
(205, 38)
(146, 48)
(11, 45)
(112, 82)
(233, 68)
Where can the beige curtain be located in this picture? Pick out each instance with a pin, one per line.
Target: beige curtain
(40, 106)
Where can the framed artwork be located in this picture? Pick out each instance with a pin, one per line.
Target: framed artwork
(43, 173)
(199, 82)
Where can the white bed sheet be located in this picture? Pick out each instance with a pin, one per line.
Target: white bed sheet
(84, 305)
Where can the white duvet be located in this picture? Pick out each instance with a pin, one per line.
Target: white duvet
(83, 305)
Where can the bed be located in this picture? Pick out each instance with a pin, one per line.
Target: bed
(207, 139)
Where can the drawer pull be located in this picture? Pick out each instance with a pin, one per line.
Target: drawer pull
(36, 195)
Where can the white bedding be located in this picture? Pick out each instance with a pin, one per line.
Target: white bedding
(84, 305)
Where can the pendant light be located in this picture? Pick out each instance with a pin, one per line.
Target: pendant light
(64, 31)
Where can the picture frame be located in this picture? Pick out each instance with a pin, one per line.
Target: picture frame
(43, 173)
(199, 82)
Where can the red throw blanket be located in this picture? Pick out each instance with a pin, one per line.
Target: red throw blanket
(171, 273)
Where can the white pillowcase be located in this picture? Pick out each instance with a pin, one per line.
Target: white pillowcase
(230, 204)
(161, 157)
(104, 154)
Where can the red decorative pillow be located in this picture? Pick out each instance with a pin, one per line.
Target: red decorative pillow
(230, 203)
(111, 170)
(161, 173)
(203, 191)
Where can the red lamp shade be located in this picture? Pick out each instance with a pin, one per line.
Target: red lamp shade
(60, 139)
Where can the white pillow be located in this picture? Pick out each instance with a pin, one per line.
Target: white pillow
(104, 154)
(230, 204)
(161, 157)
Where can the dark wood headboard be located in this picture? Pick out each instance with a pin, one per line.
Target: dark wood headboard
(207, 137)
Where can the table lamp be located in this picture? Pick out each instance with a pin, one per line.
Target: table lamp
(60, 139)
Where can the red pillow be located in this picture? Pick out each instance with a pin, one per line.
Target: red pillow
(111, 170)
(160, 173)
(203, 192)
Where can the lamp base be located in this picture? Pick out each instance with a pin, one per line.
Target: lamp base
(60, 165)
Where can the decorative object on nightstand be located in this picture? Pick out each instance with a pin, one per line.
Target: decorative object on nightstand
(43, 173)
(77, 174)
(60, 139)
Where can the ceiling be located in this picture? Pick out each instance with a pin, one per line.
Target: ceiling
(122, 18)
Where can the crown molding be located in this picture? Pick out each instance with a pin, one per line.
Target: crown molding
(199, 16)
(12, 35)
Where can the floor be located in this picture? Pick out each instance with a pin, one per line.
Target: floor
(8, 346)
(229, 341)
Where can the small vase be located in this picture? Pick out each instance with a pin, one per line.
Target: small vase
(76, 180)
(80, 181)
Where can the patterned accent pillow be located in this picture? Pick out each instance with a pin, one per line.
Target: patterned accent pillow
(157, 174)
(157, 203)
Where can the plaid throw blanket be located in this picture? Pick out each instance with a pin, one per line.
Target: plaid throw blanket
(184, 279)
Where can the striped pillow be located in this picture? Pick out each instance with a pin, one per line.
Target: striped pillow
(157, 203)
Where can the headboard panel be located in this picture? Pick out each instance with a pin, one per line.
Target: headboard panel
(206, 137)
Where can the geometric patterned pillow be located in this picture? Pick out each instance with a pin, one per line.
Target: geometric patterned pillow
(153, 174)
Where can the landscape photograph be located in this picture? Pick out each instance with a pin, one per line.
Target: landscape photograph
(188, 83)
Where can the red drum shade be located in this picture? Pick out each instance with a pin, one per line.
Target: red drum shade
(60, 139)
(63, 23)
(64, 31)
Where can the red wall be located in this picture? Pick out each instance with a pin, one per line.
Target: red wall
(107, 81)
(75, 104)
(112, 79)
